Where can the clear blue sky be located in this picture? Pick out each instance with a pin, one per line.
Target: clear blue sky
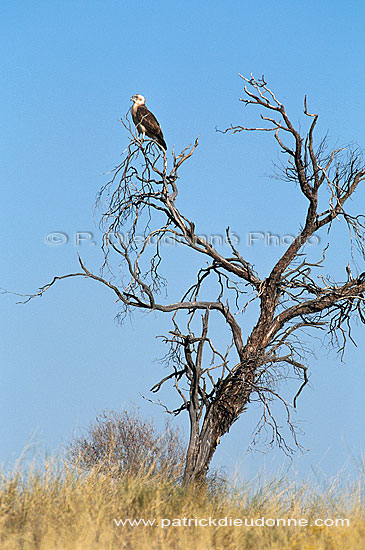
(68, 70)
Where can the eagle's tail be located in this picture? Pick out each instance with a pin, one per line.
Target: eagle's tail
(160, 140)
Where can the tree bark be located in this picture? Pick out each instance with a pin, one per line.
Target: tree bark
(220, 416)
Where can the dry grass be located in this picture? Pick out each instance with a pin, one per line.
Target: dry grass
(55, 507)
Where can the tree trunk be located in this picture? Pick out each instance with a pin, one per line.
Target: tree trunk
(219, 417)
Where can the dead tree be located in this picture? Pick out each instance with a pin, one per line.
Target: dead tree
(216, 385)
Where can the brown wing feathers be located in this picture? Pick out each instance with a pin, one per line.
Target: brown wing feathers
(146, 122)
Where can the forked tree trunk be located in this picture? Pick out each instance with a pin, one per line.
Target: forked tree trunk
(200, 452)
(218, 419)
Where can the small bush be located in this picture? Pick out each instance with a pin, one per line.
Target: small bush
(125, 443)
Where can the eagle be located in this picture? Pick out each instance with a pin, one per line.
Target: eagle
(145, 121)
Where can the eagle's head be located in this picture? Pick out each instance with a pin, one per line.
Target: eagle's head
(138, 99)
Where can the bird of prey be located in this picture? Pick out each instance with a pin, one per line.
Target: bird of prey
(146, 123)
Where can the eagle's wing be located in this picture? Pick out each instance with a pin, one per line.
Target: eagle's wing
(148, 120)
